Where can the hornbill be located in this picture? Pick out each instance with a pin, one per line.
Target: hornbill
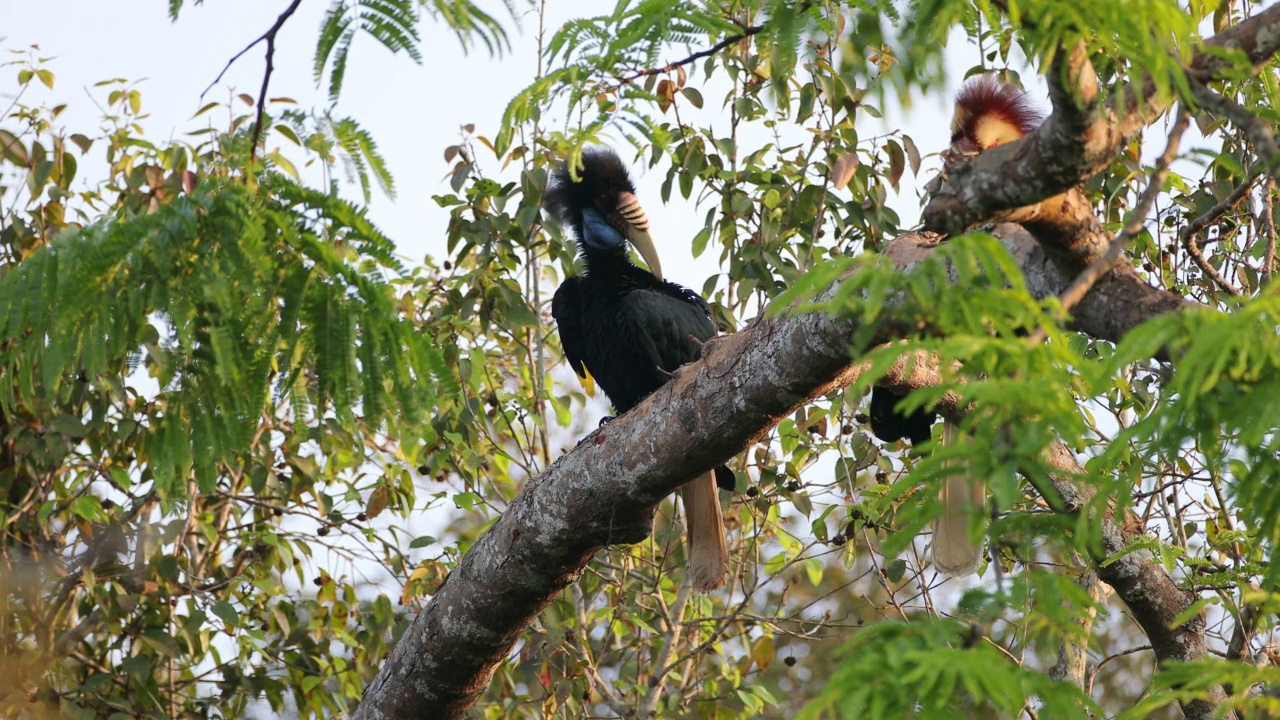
(988, 113)
(629, 328)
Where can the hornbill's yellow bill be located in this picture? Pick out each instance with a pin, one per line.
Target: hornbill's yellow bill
(636, 231)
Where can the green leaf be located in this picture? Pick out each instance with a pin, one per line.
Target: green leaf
(227, 613)
(421, 542)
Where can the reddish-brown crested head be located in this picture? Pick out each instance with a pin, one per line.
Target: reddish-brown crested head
(990, 113)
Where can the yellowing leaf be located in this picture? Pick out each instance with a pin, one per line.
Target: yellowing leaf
(415, 581)
(377, 502)
(666, 92)
(763, 652)
(897, 162)
(842, 172)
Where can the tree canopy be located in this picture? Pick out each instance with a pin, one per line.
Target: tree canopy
(255, 462)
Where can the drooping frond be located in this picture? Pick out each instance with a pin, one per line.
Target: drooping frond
(221, 293)
(394, 24)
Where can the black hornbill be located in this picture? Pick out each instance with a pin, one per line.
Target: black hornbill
(629, 328)
(988, 113)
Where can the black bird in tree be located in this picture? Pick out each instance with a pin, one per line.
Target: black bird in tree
(629, 328)
(988, 113)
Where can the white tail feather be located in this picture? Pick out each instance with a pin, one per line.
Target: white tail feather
(954, 552)
(708, 554)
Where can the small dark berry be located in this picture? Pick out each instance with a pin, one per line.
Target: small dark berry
(361, 517)
(277, 511)
(839, 540)
(789, 661)
(319, 581)
(322, 531)
(423, 469)
(448, 265)
(264, 627)
(862, 418)
(107, 504)
(846, 429)
(793, 486)
(753, 491)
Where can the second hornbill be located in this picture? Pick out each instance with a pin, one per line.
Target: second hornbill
(629, 328)
(988, 113)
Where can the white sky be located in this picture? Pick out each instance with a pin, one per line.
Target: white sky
(413, 111)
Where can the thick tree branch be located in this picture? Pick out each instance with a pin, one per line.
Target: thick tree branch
(604, 492)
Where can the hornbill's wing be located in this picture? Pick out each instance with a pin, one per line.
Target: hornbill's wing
(675, 322)
(566, 308)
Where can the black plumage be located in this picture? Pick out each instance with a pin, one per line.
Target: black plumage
(629, 328)
(890, 425)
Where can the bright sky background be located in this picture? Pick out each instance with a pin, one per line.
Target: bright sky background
(413, 111)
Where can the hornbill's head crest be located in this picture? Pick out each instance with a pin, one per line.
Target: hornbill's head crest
(988, 113)
(600, 206)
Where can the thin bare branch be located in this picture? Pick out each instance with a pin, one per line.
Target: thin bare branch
(747, 32)
(269, 37)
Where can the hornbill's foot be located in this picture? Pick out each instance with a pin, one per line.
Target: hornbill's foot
(603, 420)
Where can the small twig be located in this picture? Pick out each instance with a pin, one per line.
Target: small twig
(1197, 257)
(746, 33)
(270, 37)
(738, 37)
(1093, 675)
(266, 77)
(231, 62)
(1269, 229)
(1086, 280)
(1258, 132)
(661, 664)
(582, 640)
(1215, 213)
